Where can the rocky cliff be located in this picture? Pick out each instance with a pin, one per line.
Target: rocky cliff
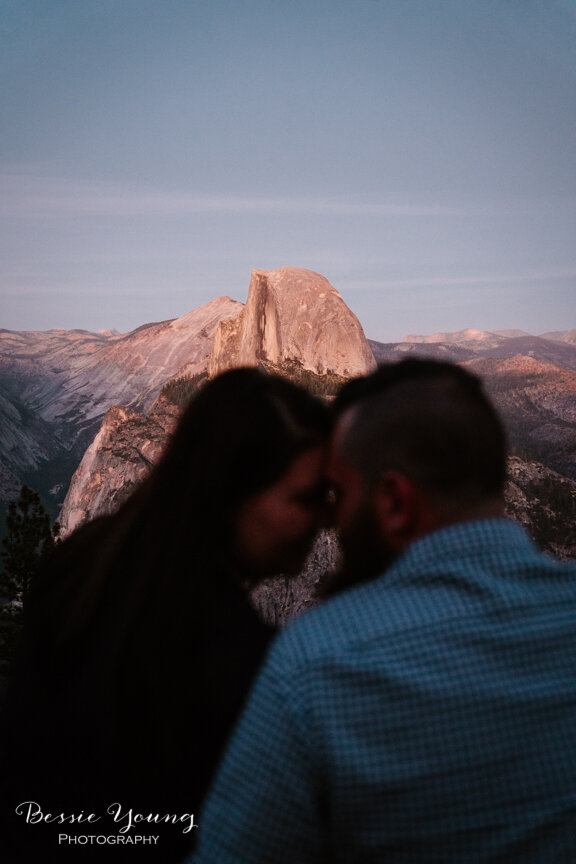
(56, 386)
(127, 445)
(27, 440)
(294, 322)
(70, 378)
(537, 401)
(293, 314)
(540, 499)
(544, 501)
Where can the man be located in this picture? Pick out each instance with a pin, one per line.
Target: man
(426, 713)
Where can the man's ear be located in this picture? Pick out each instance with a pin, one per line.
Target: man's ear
(398, 508)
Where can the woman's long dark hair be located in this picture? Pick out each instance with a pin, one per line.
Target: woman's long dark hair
(238, 435)
(128, 622)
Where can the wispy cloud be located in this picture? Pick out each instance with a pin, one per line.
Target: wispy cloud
(24, 195)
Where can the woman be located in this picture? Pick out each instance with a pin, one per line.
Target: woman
(140, 642)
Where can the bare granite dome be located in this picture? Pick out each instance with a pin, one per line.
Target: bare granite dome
(293, 314)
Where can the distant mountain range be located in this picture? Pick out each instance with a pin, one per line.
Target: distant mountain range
(491, 339)
(469, 344)
(97, 408)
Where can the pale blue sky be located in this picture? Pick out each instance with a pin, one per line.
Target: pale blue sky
(421, 154)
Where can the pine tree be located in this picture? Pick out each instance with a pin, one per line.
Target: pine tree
(29, 536)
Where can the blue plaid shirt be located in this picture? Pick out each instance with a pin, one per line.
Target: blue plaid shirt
(426, 716)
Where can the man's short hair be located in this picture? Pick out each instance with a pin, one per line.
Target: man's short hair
(432, 421)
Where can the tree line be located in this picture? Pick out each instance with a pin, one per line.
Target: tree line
(30, 536)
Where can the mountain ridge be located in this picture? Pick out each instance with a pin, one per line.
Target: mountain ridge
(293, 314)
(101, 403)
(69, 379)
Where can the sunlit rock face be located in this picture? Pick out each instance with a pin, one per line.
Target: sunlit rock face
(544, 501)
(70, 378)
(293, 314)
(537, 402)
(127, 445)
(56, 386)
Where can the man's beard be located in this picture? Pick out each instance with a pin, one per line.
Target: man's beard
(363, 553)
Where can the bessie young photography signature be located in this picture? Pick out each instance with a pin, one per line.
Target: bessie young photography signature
(127, 817)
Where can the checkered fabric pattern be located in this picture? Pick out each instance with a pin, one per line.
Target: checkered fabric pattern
(426, 716)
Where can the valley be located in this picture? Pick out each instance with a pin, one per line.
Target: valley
(83, 416)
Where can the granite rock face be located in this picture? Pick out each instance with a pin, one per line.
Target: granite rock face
(126, 447)
(544, 501)
(293, 314)
(278, 599)
(70, 378)
(57, 385)
(537, 402)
